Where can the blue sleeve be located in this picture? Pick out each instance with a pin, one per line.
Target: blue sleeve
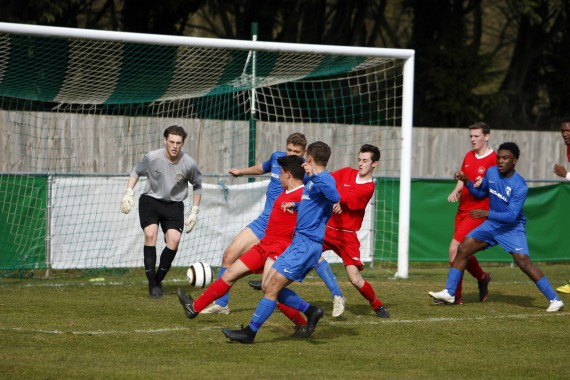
(327, 186)
(514, 208)
(480, 192)
(266, 166)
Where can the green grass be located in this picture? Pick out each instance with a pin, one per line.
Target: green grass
(69, 327)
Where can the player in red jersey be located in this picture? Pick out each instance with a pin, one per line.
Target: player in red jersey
(260, 257)
(356, 187)
(475, 164)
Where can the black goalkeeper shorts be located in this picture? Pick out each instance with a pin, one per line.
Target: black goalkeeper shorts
(170, 215)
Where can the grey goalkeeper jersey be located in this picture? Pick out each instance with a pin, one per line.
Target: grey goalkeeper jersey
(168, 181)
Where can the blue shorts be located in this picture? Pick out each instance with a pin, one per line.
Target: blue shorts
(259, 225)
(299, 258)
(511, 239)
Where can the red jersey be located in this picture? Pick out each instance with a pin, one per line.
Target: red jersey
(568, 152)
(353, 199)
(474, 167)
(282, 223)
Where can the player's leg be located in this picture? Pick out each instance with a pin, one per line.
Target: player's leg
(243, 242)
(366, 290)
(452, 253)
(149, 257)
(172, 223)
(324, 271)
(483, 278)
(468, 247)
(524, 262)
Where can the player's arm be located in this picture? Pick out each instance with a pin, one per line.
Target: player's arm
(128, 201)
(252, 170)
(514, 208)
(456, 193)
(480, 192)
(195, 178)
(357, 197)
(326, 187)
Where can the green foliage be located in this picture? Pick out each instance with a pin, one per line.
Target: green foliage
(65, 327)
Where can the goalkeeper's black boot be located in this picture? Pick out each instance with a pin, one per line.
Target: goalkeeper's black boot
(187, 304)
(314, 314)
(255, 284)
(155, 292)
(245, 335)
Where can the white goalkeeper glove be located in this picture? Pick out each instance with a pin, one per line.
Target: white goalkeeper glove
(191, 220)
(128, 201)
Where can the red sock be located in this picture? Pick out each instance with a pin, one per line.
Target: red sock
(474, 268)
(214, 291)
(293, 314)
(459, 286)
(368, 293)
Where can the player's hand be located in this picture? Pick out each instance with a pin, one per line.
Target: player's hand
(235, 172)
(460, 176)
(192, 218)
(128, 201)
(336, 208)
(288, 207)
(476, 214)
(454, 196)
(308, 168)
(477, 182)
(560, 171)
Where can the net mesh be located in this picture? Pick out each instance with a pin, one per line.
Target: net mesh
(77, 114)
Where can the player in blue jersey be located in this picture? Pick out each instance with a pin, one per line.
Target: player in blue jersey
(505, 225)
(314, 211)
(252, 234)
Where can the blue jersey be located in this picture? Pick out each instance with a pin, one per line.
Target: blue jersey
(506, 197)
(274, 189)
(315, 209)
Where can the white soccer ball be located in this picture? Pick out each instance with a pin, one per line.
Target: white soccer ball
(200, 275)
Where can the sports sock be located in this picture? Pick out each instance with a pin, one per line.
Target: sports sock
(293, 314)
(149, 257)
(368, 293)
(459, 287)
(453, 277)
(218, 288)
(262, 312)
(224, 298)
(544, 286)
(325, 273)
(474, 268)
(290, 298)
(166, 258)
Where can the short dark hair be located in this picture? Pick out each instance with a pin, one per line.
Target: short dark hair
(175, 130)
(297, 138)
(292, 164)
(481, 125)
(373, 150)
(565, 119)
(320, 152)
(512, 147)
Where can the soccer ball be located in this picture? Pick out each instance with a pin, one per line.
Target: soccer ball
(200, 275)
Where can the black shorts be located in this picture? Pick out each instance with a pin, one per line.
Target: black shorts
(170, 215)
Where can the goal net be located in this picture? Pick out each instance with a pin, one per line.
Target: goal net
(79, 108)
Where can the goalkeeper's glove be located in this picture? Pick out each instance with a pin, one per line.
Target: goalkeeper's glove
(191, 220)
(128, 201)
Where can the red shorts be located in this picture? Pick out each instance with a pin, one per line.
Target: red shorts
(345, 244)
(255, 258)
(465, 224)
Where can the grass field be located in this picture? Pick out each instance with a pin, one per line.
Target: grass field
(69, 327)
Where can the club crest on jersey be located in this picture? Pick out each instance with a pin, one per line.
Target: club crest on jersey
(508, 191)
(179, 177)
(481, 170)
(310, 185)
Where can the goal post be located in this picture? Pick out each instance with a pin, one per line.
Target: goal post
(79, 108)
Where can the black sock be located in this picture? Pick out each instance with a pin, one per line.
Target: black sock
(149, 254)
(166, 258)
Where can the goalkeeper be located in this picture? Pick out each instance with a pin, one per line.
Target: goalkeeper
(169, 170)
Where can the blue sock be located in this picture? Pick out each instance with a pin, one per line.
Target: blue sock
(223, 300)
(262, 312)
(544, 286)
(324, 271)
(290, 298)
(453, 278)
